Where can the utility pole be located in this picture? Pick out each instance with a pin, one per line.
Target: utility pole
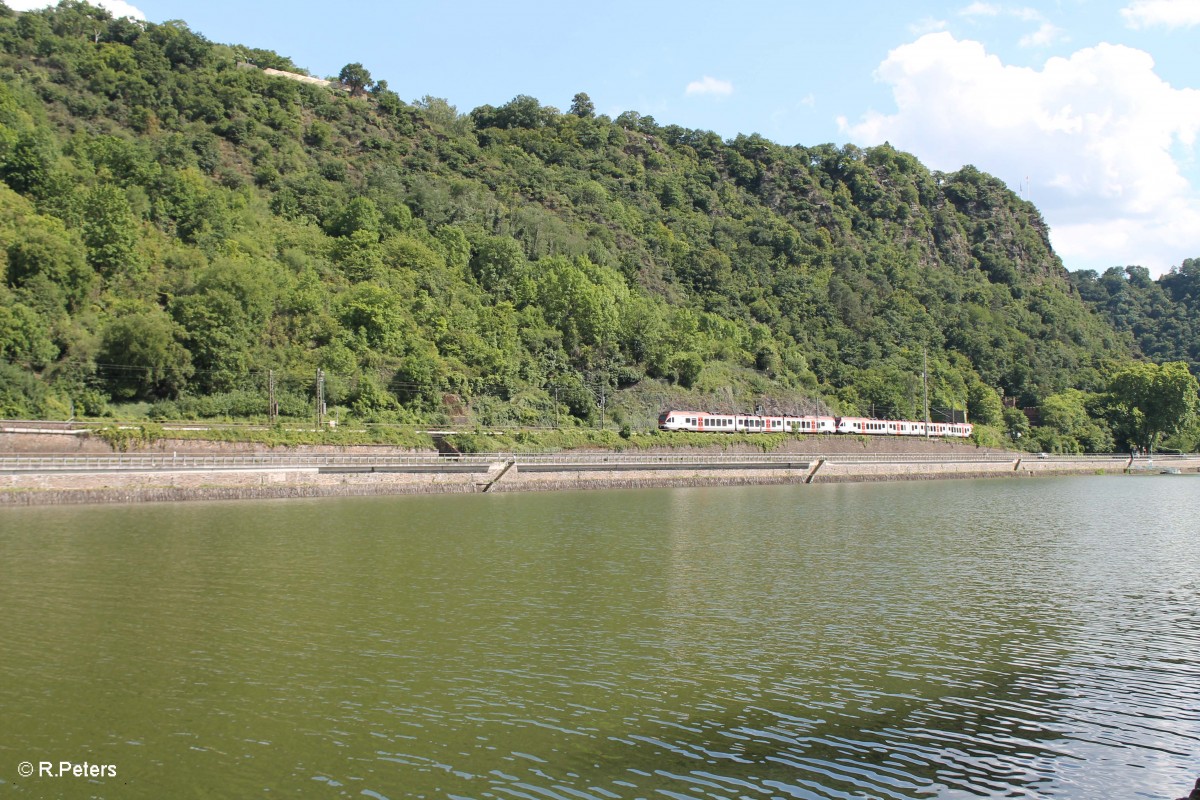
(272, 403)
(925, 385)
(320, 397)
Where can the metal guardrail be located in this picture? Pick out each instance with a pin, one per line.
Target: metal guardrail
(169, 461)
(75, 462)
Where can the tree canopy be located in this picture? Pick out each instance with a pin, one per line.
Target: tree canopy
(356, 78)
(1152, 400)
(175, 223)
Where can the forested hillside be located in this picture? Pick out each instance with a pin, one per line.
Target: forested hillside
(1163, 316)
(178, 228)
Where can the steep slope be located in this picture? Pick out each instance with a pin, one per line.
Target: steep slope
(181, 228)
(1163, 316)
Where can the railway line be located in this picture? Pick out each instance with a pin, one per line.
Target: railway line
(18, 463)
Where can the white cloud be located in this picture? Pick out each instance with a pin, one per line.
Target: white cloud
(1023, 13)
(118, 8)
(981, 10)
(1097, 134)
(927, 25)
(709, 85)
(1168, 13)
(1027, 14)
(1046, 34)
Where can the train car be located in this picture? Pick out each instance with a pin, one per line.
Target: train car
(881, 427)
(813, 424)
(705, 422)
(755, 423)
(700, 421)
(866, 425)
(958, 430)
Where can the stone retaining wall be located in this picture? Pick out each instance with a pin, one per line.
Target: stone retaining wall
(125, 487)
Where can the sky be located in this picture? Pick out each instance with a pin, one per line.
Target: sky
(1088, 108)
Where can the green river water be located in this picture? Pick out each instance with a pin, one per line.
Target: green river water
(999, 638)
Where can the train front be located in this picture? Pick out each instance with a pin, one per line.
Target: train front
(672, 421)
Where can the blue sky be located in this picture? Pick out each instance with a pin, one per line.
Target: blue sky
(1089, 108)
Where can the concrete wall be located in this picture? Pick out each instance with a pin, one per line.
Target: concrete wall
(56, 488)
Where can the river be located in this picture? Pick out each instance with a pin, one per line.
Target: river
(1017, 638)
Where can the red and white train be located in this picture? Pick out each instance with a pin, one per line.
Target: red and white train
(707, 422)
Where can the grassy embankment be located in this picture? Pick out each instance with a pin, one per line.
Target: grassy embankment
(129, 438)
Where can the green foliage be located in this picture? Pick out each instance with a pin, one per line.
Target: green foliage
(123, 438)
(143, 357)
(1068, 427)
(401, 437)
(174, 224)
(24, 335)
(1017, 427)
(1162, 317)
(500, 266)
(356, 78)
(110, 232)
(582, 106)
(984, 405)
(23, 396)
(46, 261)
(1153, 400)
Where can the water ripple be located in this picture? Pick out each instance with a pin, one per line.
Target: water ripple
(968, 639)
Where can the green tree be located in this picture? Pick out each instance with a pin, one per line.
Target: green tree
(224, 316)
(1153, 400)
(24, 337)
(359, 255)
(44, 251)
(983, 404)
(373, 313)
(356, 78)
(22, 395)
(142, 357)
(687, 368)
(455, 247)
(1067, 425)
(419, 378)
(110, 232)
(576, 301)
(582, 106)
(1016, 425)
(360, 214)
(500, 266)
(29, 164)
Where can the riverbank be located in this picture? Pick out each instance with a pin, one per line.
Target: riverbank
(132, 478)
